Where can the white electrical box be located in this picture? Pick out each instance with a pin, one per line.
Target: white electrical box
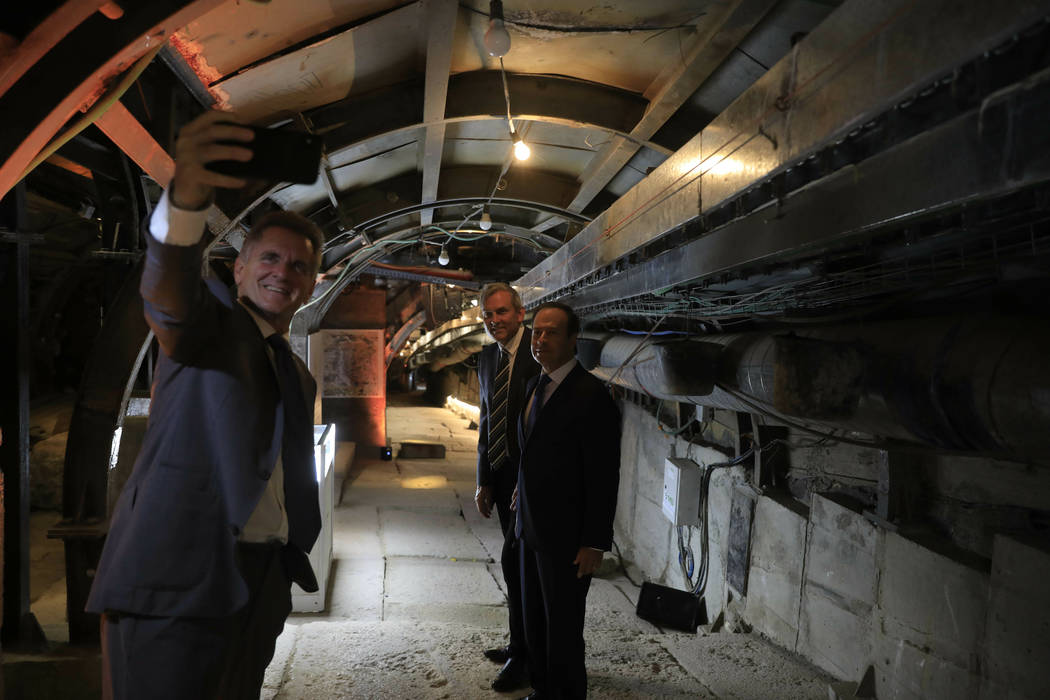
(681, 502)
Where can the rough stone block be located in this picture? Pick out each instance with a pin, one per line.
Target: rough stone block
(654, 540)
(904, 671)
(833, 637)
(1018, 624)
(778, 538)
(839, 590)
(421, 450)
(932, 601)
(841, 555)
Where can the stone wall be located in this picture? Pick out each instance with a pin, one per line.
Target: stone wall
(825, 581)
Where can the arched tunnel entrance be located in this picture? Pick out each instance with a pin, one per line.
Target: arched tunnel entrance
(808, 243)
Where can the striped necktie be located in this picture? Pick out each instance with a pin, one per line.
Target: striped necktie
(497, 449)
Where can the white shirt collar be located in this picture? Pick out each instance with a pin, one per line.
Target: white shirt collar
(512, 346)
(264, 326)
(559, 375)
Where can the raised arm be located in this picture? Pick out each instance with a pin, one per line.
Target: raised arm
(174, 297)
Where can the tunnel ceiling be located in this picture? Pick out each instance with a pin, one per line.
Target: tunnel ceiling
(410, 104)
(413, 112)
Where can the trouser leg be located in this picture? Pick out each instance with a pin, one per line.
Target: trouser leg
(257, 625)
(534, 618)
(511, 565)
(166, 658)
(565, 604)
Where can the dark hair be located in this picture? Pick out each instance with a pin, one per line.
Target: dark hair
(573, 327)
(292, 221)
(493, 287)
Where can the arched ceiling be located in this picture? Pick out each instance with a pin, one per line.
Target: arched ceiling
(411, 107)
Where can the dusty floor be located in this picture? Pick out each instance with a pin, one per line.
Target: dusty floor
(416, 595)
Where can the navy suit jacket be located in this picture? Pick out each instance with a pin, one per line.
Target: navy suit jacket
(208, 452)
(525, 367)
(570, 468)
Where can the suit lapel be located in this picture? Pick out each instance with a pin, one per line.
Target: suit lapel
(555, 404)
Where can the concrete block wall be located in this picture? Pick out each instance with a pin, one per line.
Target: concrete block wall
(840, 588)
(645, 536)
(778, 549)
(827, 583)
(1017, 629)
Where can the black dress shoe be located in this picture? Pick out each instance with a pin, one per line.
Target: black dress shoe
(499, 656)
(513, 675)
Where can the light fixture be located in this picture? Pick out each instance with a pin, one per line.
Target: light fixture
(486, 220)
(521, 151)
(473, 302)
(443, 256)
(497, 40)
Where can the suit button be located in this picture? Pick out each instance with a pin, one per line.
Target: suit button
(265, 476)
(235, 530)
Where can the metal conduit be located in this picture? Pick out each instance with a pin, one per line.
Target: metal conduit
(966, 383)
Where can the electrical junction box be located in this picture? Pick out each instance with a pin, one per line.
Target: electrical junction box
(681, 503)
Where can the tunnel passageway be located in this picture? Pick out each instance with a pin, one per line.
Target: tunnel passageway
(416, 595)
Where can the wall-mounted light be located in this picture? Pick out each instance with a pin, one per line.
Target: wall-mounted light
(485, 223)
(497, 40)
(443, 256)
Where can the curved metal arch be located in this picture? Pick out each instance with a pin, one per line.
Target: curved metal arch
(308, 319)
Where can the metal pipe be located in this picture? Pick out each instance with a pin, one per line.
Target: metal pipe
(963, 383)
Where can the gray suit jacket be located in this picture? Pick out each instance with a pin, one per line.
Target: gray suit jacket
(206, 457)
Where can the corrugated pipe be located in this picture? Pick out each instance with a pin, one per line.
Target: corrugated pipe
(966, 383)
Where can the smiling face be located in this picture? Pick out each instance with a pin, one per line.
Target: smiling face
(275, 275)
(552, 346)
(502, 320)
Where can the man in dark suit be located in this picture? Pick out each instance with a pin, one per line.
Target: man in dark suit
(503, 369)
(567, 484)
(221, 508)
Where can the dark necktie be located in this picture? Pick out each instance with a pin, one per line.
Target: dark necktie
(537, 402)
(534, 415)
(497, 449)
(297, 453)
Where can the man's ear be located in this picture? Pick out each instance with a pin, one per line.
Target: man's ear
(238, 270)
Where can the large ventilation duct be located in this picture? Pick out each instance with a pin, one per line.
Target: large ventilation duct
(974, 383)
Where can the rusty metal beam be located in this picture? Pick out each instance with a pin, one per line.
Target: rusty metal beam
(75, 71)
(440, 23)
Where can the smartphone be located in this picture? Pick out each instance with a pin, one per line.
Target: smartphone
(278, 155)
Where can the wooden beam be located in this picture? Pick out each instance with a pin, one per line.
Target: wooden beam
(440, 23)
(670, 90)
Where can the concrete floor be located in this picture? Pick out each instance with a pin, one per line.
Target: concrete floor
(416, 595)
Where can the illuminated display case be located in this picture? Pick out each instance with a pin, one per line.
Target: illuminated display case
(321, 554)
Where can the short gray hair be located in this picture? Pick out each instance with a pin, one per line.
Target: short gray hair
(493, 287)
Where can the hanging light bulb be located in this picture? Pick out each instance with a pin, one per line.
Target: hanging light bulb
(497, 40)
(443, 256)
(486, 220)
(521, 151)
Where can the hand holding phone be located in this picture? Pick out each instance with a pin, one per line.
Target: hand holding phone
(206, 139)
(277, 155)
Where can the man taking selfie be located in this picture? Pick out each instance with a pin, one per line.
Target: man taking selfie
(221, 509)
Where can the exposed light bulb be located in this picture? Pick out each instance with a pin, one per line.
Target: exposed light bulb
(521, 151)
(443, 257)
(497, 40)
(473, 302)
(486, 221)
